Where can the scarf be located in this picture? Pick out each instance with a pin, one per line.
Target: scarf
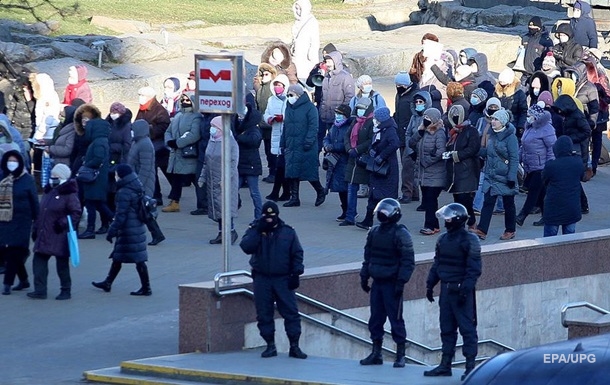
(453, 134)
(376, 134)
(6, 198)
(71, 90)
(353, 137)
(144, 107)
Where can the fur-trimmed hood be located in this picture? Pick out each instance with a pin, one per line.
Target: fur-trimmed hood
(509, 90)
(42, 84)
(285, 51)
(89, 109)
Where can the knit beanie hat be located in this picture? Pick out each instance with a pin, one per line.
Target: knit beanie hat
(122, 170)
(535, 22)
(61, 171)
(546, 97)
(270, 207)
(362, 80)
(216, 122)
(344, 110)
(296, 89)
(403, 79)
(328, 48)
(549, 63)
(507, 76)
(461, 72)
(363, 102)
(382, 114)
(493, 101)
(480, 93)
(433, 114)
(536, 111)
(503, 116)
(117, 108)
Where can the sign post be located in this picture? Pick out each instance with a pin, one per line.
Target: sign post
(220, 89)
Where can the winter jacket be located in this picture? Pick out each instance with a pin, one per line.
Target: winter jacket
(513, 99)
(81, 141)
(385, 186)
(80, 90)
(545, 85)
(158, 119)
(464, 167)
(130, 232)
(51, 227)
(585, 31)
(501, 162)
(568, 53)
(184, 129)
(141, 158)
(575, 125)
(276, 105)
(562, 176)
(482, 74)
(63, 147)
(97, 157)
(383, 262)
(536, 45)
(47, 102)
(338, 87)
(305, 39)
(276, 253)
(264, 91)
(537, 144)
(403, 110)
(457, 259)
(586, 91)
(334, 143)
(119, 138)
(430, 166)
(300, 139)
(355, 173)
(249, 138)
(212, 172)
(416, 119)
(376, 98)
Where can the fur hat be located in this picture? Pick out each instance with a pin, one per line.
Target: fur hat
(61, 171)
(362, 80)
(433, 114)
(122, 170)
(480, 93)
(546, 97)
(269, 208)
(382, 114)
(507, 76)
(117, 108)
(536, 111)
(549, 63)
(502, 116)
(296, 89)
(461, 72)
(403, 79)
(344, 110)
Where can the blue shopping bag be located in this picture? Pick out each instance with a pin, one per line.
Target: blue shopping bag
(73, 244)
(46, 167)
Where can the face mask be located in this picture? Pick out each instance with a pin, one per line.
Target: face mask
(559, 90)
(278, 90)
(456, 119)
(563, 38)
(292, 99)
(420, 107)
(536, 91)
(12, 165)
(574, 77)
(490, 111)
(367, 88)
(213, 131)
(533, 31)
(339, 118)
(142, 100)
(401, 89)
(375, 122)
(272, 224)
(474, 68)
(497, 126)
(577, 13)
(475, 100)
(54, 182)
(360, 112)
(186, 105)
(427, 122)
(530, 119)
(114, 116)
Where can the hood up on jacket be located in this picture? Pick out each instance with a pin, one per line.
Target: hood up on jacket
(563, 146)
(563, 86)
(283, 47)
(91, 111)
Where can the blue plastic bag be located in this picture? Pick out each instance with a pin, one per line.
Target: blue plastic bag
(47, 165)
(73, 244)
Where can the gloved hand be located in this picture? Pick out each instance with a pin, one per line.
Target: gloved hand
(306, 147)
(279, 118)
(354, 154)
(201, 182)
(413, 156)
(430, 294)
(364, 284)
(271, 120)
(328, 148)
(421, 131)
(109, 237)
(261, 226)
(398, 290)
(172, 144)
(58, 228)
(293, 282)
(464, 293)
(511, 184)
(378, 160)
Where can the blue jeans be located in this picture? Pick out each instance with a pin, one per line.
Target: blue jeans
(552, 230)
(255, 193)
(479, 197)
(352, 202)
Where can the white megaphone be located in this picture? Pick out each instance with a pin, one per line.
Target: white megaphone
(520, 61)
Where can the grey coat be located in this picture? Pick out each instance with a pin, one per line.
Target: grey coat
(212, 172)
(431, 170)
(64, 144)
(338, 87)
(184, 129)
(141, 157)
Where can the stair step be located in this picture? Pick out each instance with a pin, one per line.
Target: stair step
(114, 375)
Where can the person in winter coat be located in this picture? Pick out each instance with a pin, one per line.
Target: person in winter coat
(78, 87)
(211, 176)
(418, 63)
(537, 43)
(480, 69)
(364, 86)
(141, 159)
(305, 38)
(596, 73)
(158, 120)
(95, 193)
(47, 110)
(119, 140)
(537, 84)
(583, 25)
(249, 168)
(63, 145)
(403, 111)
(82, 115)
(172, 90)
(128, 229)
(274, 117)
(549, 66)
(535, 151)
(357, 141)
(58, 205)
(437, 61)
(512, 98)
(501, 163)
(182, 135)
(338, 88)
(478, 101)
(556, 120)
(299, 143)
(561, 177)
(201, 192)
(19, 208)
(462, 161)
(563, 86)
(265, 80)
(383, 151)
(586, 91)
(277, 53)
(576, 126)
(334, 146)
(429, 143)
(567, 51)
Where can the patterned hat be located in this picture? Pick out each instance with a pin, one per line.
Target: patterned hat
(536, 111)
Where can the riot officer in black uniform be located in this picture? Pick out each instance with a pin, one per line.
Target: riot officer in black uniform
(277, 263)
(389, 260)
(457, 265)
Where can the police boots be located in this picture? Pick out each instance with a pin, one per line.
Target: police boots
(443, 370)
(375, 357)
(271, 351)
(400, 361)
(295, 351)
(469, 367)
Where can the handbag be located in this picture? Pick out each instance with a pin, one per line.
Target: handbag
(380, 169)
(73, 244)
(190, 151)
(330, 160)
(363, 160)
(86, 174)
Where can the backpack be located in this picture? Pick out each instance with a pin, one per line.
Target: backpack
(147, 208)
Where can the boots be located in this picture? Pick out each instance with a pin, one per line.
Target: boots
(295, 351)
(275, 192)
(218, 239)
(443, 369)
(21, 285)
(155, 231)
(400, 361)
(106, 284)
(172, 207)
(63, 295)
(520, 219)
(271, 350)
(469, 367)
(367, 222)
(144, 280)
(285, 191)
(294, 194)
(321, 193)
(103, 229)
(375, 357)
(6, 290)
(88, 234)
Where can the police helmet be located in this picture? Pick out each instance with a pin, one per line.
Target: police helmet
(454, 213)
(388, 210)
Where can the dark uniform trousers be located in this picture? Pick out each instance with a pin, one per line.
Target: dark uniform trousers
(270, 289)
(384, 303)
(454, 315)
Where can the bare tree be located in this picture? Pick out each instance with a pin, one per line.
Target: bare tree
(41, 10)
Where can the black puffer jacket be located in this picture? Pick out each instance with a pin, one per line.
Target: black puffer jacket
(457, 258)
(249, 137)
(575, 125)
(388, 254)
(568, 53)
(464, 168)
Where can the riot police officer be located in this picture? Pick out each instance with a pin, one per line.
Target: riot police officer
(277, 262)
(457, 265)
(389, 260)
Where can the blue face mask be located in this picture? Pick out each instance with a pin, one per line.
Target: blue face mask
(420, 107)
(339, 118)
(474, 101)
(360, 112)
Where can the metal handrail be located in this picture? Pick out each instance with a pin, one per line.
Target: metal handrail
(218, 290)
(574, 305)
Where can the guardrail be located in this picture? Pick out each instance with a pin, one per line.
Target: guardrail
(575, 305)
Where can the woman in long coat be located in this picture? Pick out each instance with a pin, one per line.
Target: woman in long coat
(63, 145)
(129, 231)
(334, 144)
(58, 205)
(119, 141)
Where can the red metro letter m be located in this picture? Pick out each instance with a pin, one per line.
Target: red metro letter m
(207, 74)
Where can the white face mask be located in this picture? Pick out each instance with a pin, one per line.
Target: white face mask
(142, 100)
(11, 165)
(213, 131)
(530, 119)
(577, 13)
(563, 38)
(72, 75)
(292, 99)
(114, 116)
(536, 91)
(367, 88)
